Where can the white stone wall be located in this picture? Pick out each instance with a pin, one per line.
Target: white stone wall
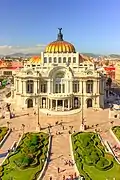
(75, 72)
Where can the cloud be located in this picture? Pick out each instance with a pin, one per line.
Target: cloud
(8, 49)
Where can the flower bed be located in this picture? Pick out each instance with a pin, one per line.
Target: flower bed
(28, 160)
(116, 131)
(91, 159)
(3, 132)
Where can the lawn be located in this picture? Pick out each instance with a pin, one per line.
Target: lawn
(28, 160)
(91, 159)
(3, 132)
(116, 130)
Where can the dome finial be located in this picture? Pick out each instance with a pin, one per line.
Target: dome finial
(60, 35)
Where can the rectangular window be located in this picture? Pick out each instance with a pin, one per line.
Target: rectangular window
(59, 88)
(74, 60)
(75, 90)
(63, 88)
(17, 85)
(89, 88)
(22, 87)
(45, 60)
(56, 88)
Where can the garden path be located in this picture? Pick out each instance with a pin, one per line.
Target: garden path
(59, 153)
(7, 145)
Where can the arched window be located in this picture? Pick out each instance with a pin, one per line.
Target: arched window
(50, 60)
(29, 86)
(55, 60)
(45, 60)
(69, 60)
(64, 60)
(89, 86)
(74, 60)
(59, 60)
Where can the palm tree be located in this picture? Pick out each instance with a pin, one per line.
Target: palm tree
(23, 128)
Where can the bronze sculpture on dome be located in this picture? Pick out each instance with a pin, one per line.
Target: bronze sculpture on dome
(60, 35)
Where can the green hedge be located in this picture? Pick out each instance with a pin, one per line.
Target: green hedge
(3, 132)
(29, 154)
(88, 150)
(116, 130)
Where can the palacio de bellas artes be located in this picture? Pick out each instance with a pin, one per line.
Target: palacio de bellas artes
(59, 80)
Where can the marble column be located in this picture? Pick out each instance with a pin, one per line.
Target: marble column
(73, 102)
(48, 86)
(35, 87)
(68, 104)
(71, 86)
(56, 105)
(51, 104)
(48, 104)
(63, 105)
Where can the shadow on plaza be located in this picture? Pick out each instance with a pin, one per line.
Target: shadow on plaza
(3, 155)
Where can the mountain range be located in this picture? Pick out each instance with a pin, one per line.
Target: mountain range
(37, 54)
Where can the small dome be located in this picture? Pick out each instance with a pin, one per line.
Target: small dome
(60, 46)
(35, 59)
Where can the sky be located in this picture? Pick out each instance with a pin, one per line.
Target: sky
(27, 26)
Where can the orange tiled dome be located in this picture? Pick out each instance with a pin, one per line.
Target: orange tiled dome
(60, 46)
(35, 59)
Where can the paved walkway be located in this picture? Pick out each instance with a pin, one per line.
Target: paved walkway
(14, 136)
(59, 153)
(60, 144)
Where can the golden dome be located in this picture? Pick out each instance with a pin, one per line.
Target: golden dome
(60, 46)
(35, 59)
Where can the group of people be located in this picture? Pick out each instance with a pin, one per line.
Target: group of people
(68, 162)
(70, 177)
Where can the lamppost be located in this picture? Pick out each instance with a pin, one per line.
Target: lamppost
(38, 103)
(82, 104)
(82, 112)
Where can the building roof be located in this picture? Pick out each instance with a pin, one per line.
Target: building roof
(10, 64)
(35, 59)
(60, 46)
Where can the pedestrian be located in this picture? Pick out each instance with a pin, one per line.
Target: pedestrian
(63, 127)
(63, 177)
(58, 169)
(69, 163)
(50, 177)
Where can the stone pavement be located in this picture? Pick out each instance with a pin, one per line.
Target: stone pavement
(60, 152)
(14, 136)
(60, 145)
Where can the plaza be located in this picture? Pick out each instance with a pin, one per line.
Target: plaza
(60, 149)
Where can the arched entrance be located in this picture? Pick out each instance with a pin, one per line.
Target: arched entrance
(89, 103)
(29, 103)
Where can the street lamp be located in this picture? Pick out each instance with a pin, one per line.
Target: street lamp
(38, 103)
(82, 104)
(82, 113)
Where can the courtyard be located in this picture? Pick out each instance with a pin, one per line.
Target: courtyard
(60, 152)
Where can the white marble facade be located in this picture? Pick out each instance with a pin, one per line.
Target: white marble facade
(59, 81)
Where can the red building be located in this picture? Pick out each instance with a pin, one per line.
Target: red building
(110, 71)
